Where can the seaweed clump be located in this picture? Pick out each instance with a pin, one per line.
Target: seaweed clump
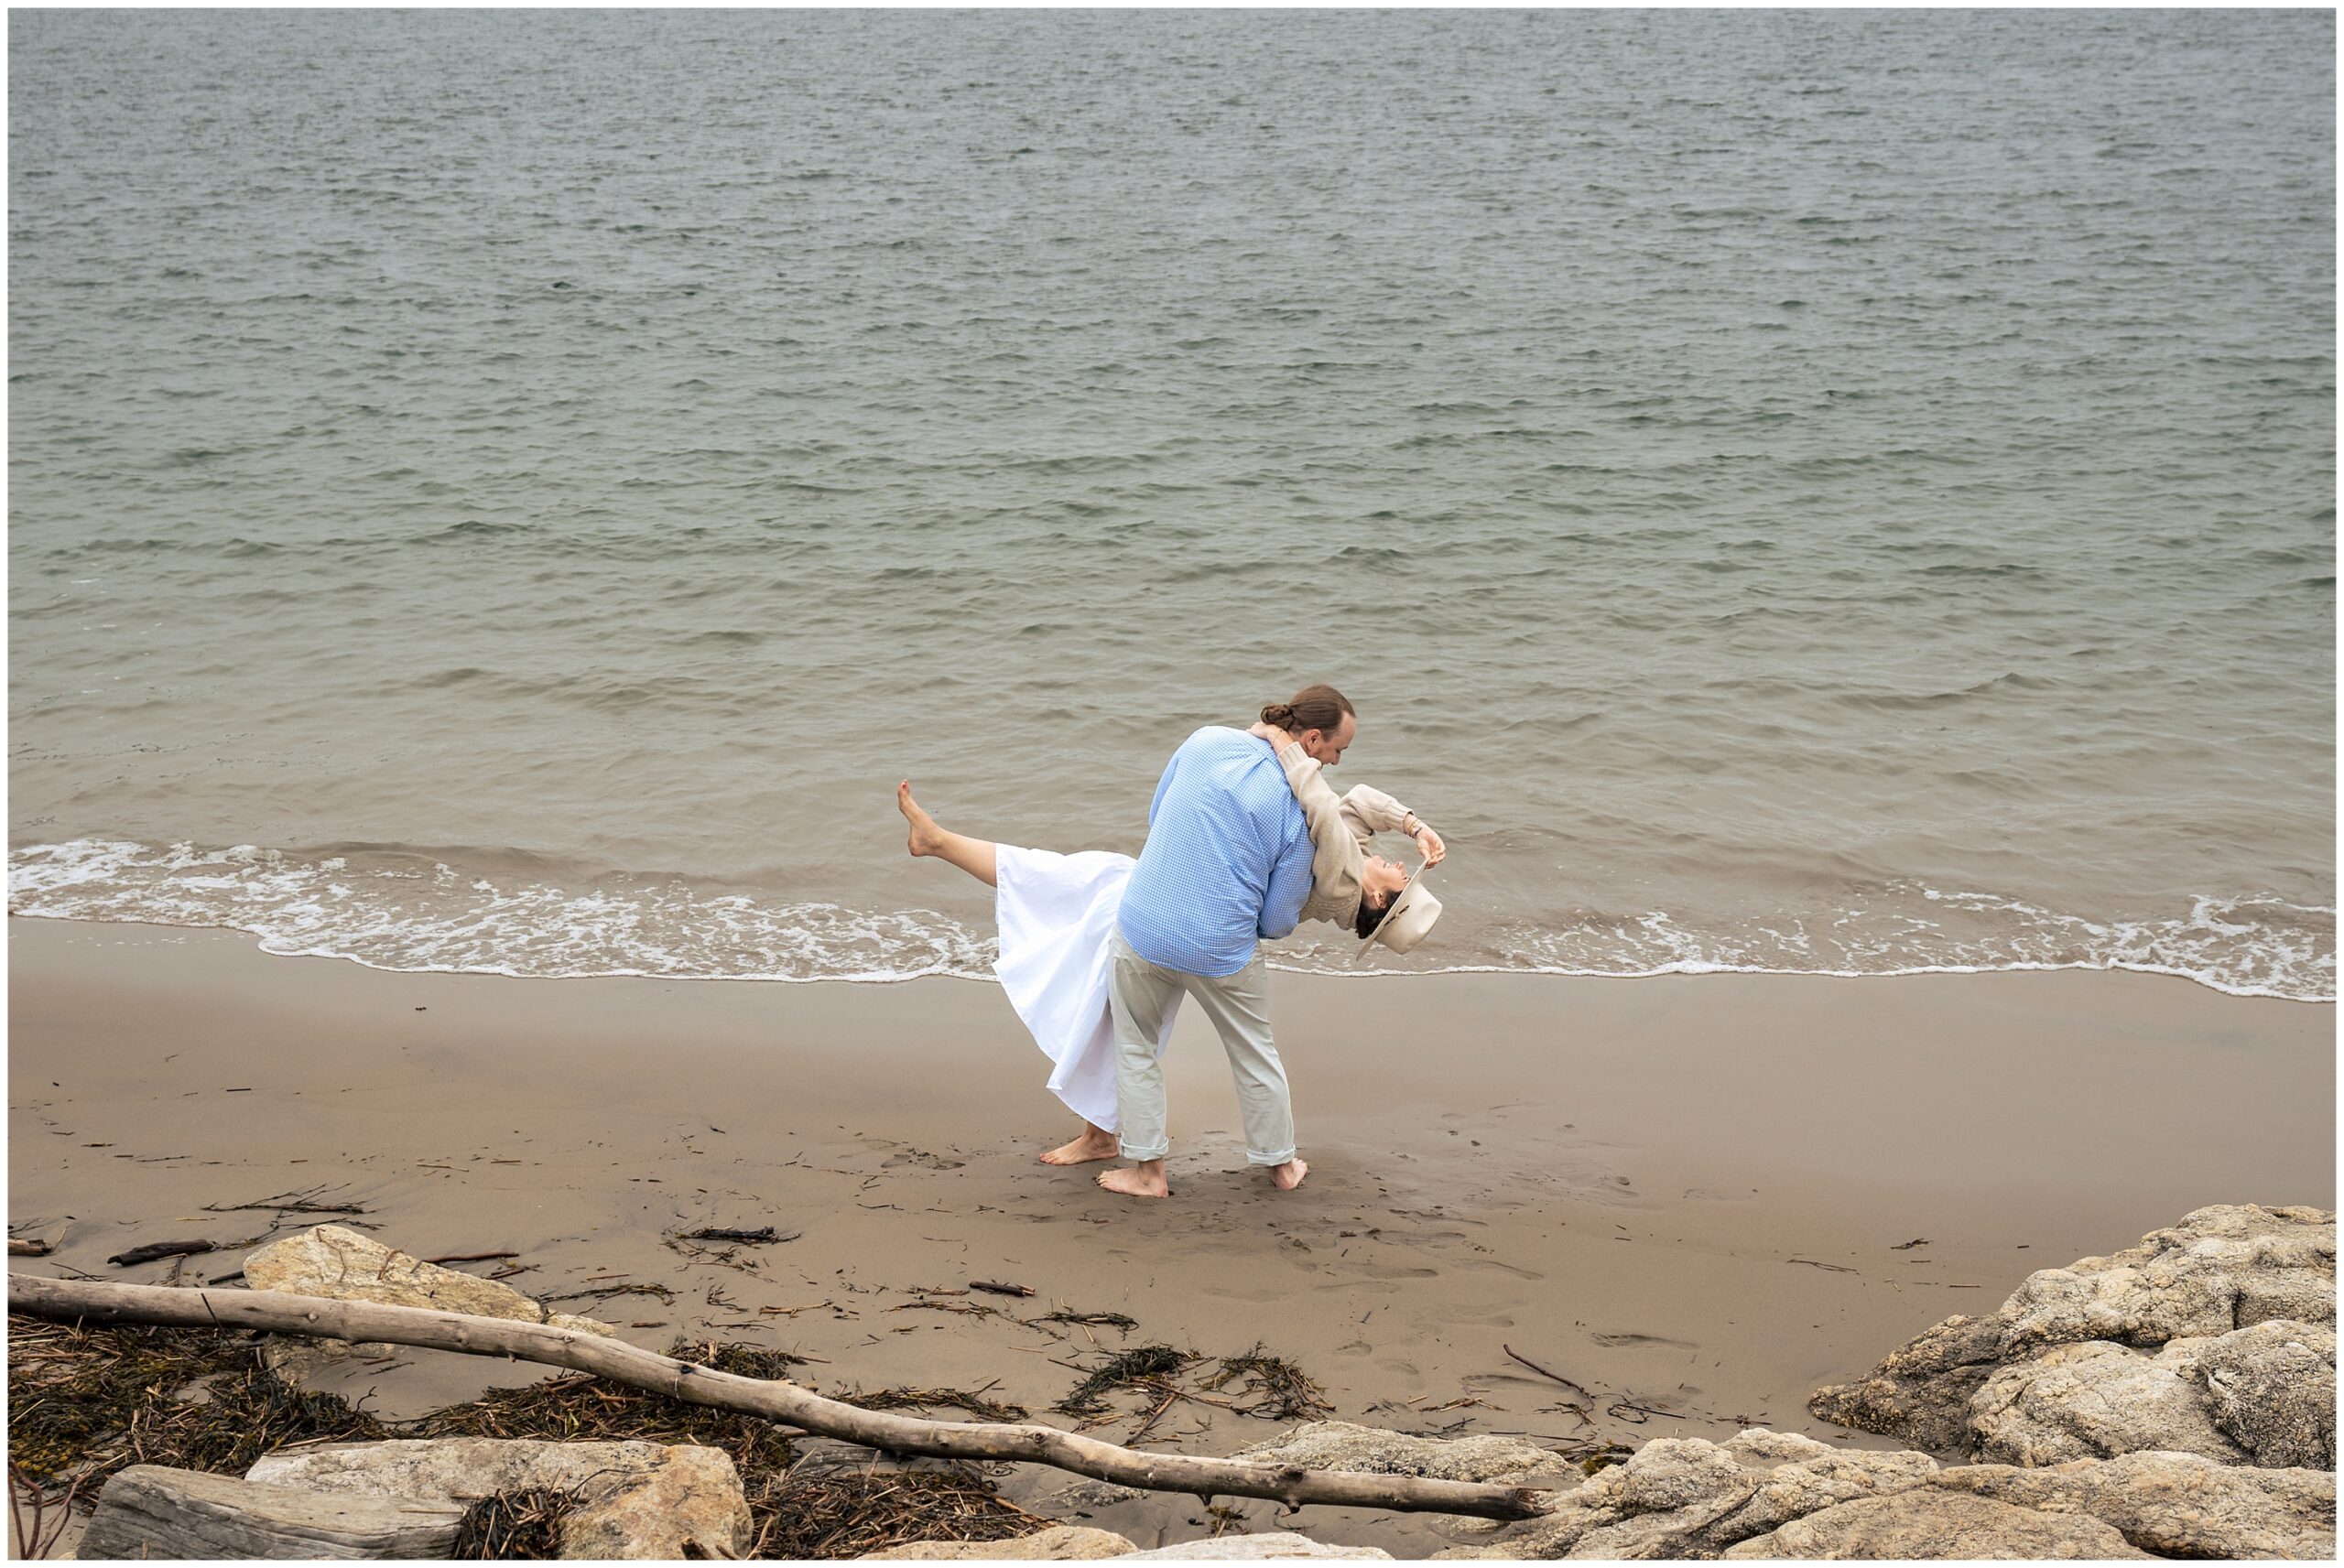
(843, 1505)
(1144, 1368)
(972, 1400)
(84, 1402)
(1285, 1393)
(509, 1526)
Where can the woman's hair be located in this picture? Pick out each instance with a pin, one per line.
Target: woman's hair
(1318, 706)
(1363, 925)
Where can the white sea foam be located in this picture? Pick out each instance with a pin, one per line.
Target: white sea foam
(405, 917)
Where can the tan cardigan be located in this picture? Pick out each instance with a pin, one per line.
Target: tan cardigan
(1340, 831)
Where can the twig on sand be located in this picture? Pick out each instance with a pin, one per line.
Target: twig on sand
(20, 1248)
(1835, 1267)
(154, 1249)
(289, 1203)
(471, 1256)
(994, 1287)
(764, 1236)
(1543, 1372)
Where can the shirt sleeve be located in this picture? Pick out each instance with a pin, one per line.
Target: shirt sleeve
(1370, 811)
(1289, 891)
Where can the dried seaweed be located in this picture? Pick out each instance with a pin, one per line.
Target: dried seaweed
(513, 1526)
(1287, 1393)
(1129, 1369)
(1119, 1322)
(970, 1399)
(836, 1503)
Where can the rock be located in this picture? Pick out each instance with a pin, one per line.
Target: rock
(2095, 1399)
(2176, 1505)
(1278, 1543)
(633, 1500)
(1769, 1494)
(336, 1262)
(1929, 1524)
(1059, 1544)
(2221, 1270)
(2272, 1387)
(1922, 1392)
(1340, 1446)
(1090, 1496)
(149, 1511)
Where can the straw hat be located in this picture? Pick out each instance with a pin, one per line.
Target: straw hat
(1409, 920)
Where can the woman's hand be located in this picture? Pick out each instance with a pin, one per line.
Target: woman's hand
(1428, 841)
(1269, 732)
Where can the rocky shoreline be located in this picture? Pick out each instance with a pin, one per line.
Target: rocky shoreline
(2176, 1399)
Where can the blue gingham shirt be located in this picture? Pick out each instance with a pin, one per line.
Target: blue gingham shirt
(1227, 861)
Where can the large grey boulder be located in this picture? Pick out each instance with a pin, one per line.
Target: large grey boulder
(633, 1499)
(2176, 1505)
(1937, 1526)
(1340, 1446)
(2221, 1270)
(1059, 1544)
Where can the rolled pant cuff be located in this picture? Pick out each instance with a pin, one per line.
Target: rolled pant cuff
(1129, 1153)
(1253, 1158)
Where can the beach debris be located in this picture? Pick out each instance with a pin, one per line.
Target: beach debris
(524, 1525)
(473, 1258)
(156, 1250)
(1908, 1246)
(1812, 1263)
(1059, 1544)
(2222, 1271)
(1342, 1445)
(1576, 1388)
(39, 1517)
(994, 1287)
(304, 1202)
(1121, 1323)
(605, 1292)
(153, 1511)
(765, 1235)
(767, 1399)
(839, 1504)
(629, 1499)
(1285, 1393)
(970, 1399)
(1143, 1367)
(19, 1247)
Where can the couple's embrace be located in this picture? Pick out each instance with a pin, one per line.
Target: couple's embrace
(1245, 841)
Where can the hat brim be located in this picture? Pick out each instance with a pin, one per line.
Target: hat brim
(1399, 901)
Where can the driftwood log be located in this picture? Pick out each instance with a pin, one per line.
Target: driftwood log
(148, 1511)
(97, 1300)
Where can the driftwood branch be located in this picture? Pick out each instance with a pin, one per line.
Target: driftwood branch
(777, 1400)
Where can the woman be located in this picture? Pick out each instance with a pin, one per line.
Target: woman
(1055, 913)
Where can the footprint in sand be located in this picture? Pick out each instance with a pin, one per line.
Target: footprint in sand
(922, 1159)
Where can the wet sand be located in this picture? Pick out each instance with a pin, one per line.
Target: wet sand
(1690, 1194)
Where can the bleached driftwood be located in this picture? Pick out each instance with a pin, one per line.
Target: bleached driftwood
(150, 1511)
(96, 1301)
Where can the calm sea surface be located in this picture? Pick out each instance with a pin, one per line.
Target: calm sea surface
(1822, 491)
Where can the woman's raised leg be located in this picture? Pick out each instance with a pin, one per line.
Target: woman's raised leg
(974, 856)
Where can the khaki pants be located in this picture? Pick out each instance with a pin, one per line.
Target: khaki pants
(1239, 1005)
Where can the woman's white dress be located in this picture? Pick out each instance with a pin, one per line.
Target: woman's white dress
(1056, 915)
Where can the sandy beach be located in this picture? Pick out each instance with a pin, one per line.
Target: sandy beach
(1699, 1197)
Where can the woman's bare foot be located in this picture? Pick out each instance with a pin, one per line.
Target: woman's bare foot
(1144, 1180)
(1096, 1144)
(1289, 1175)
(926, 836)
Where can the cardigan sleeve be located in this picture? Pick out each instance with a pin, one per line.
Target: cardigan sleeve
(1369, 811)
(1337, 861)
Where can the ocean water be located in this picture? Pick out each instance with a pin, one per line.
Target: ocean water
(1833, 492)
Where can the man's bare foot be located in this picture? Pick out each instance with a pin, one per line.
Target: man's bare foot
(926, 836)
(1094, 1144)
(1144, 1180)
(1289, 1175)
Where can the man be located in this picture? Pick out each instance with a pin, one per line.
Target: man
(1226, 866)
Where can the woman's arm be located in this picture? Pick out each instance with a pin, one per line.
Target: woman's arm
(1337, 860)
(1370, 811)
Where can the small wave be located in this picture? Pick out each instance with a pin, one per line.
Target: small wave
(405, 910)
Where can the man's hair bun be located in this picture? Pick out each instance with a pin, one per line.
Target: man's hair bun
(1280, 714)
